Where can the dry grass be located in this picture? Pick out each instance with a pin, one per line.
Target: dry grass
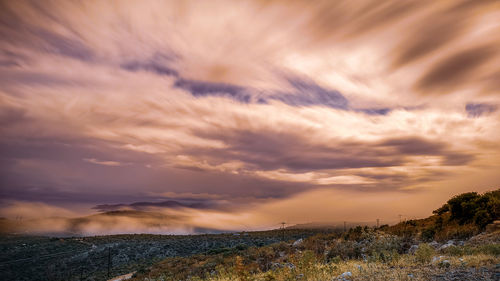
(405, 268)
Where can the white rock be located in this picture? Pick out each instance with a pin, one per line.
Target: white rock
(436, 259)
(434, 244)
(413, 249)
(445, 263)
(445, 246)
(298, 242)
(345, 274)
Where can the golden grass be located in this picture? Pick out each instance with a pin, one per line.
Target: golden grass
(406, 268)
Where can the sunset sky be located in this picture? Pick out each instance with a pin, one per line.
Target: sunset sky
(244, 114)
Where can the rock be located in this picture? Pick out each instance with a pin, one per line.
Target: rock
(346, 274)
(365, 258)
(413, 249)
(445, 263)
(410, 275)
(448, 244)
(276, 265)
(436, 259)
(298, 242)
(290, 265)
(434, 244)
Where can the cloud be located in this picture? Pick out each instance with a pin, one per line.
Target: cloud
(105, 103)
(307, 93)
(105, 163)
(151, 205)
(455, 68)
(479, 109)
(201, 88)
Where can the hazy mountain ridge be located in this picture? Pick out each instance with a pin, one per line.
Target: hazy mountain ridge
(112, 222)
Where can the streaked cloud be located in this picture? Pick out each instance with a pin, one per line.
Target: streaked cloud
(114, 103)
(105, 163)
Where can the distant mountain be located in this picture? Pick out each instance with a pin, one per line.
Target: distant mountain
(329, 225)
(113, 222)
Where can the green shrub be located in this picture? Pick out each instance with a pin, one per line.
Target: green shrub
(490, 249)
(454, 251)
(335, 260)
(424, 253)
(482, 218)
(269, 276)
(307, 259)
(428, 234)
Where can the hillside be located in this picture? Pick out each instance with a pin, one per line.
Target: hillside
(449, 245)
(398, 252)
(86, 258)
(460, 217)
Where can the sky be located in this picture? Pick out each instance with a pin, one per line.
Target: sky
(244, 114)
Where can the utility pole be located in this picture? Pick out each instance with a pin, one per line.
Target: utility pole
(283, 231)
(378, 223)
(109, 262)
(345, 226)
(400, 216)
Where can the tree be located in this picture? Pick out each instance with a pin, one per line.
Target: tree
(463, 207)
(445, 208)
(482, 218)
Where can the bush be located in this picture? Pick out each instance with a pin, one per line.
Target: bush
(482, 218)
(269, 276)
(335, 260)
(472, 207)
(385, 256)
(428, 234)
(454, 251)
(490, 249)
(307, 259)
(424, 253)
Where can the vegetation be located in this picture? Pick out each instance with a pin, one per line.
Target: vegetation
(396, 252)
(86, 258)
(410, 250)
(375, 256)
(461, 217)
